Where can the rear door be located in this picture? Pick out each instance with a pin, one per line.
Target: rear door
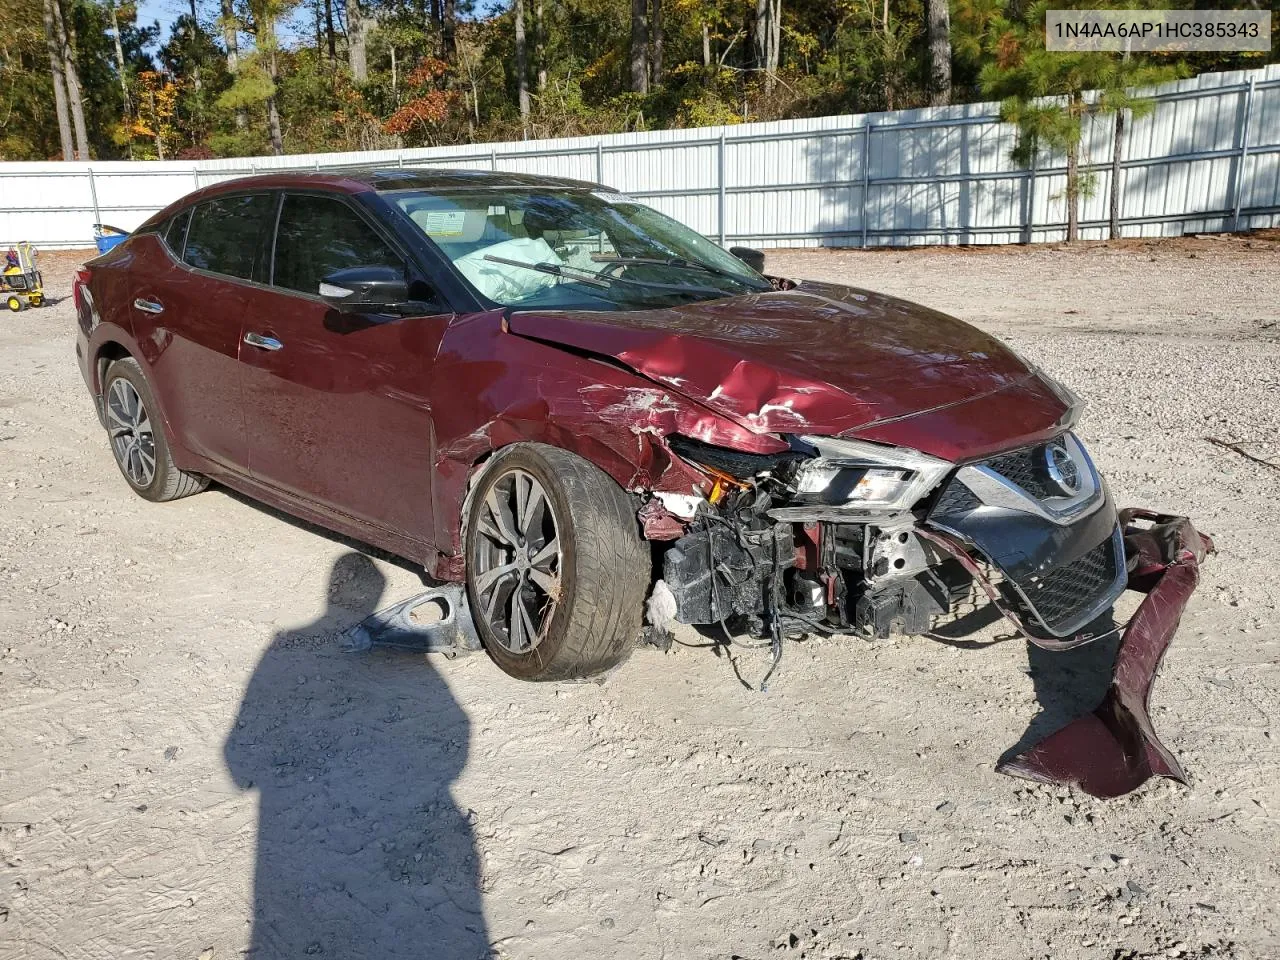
(337, 405)
(190, 318)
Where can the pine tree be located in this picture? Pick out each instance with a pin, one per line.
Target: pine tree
(1044, 93)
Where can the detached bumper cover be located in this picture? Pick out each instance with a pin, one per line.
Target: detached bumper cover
(1114, 749)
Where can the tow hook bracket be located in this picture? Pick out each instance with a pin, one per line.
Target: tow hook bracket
(435, 621)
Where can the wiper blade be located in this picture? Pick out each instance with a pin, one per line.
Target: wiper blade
(675, 262)
(555, 270)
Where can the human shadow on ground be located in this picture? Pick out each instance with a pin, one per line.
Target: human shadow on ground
(361, 852)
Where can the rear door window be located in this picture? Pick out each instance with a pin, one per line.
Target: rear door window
(175, 231)
(318, 235)
(225, 235)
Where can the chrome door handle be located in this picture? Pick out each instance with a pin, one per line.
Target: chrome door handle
(263, 343)
(149, 306)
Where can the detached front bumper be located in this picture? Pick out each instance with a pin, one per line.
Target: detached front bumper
(1114, 749)
(1034, 528)
(1059, 553)
(1056, 576)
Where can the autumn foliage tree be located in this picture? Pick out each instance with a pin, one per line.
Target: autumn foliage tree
(152, 130)
(293, 76)
(428, 106)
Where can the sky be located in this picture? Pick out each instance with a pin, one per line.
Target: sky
(168, 11)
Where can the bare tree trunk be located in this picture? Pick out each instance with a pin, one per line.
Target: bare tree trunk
(522, 68)
(66, 41)
(273, 127)
(197, 103)
(655, 45)
(58, 74)
(120, 69)
(1073, 193)
(450, 30)
(775, 45)
(330, 39)
(273, 112)
(151, 102)
(195, 47)
(1076, 110)
(356, 58)
(540, 45)
(640, 46)
(230, 40)
(766, 35)
(939, 53)
(1117, 156)
(230, 36)
(706, 44)
(395, 92)
(760, 34)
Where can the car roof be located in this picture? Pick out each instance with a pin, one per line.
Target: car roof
(363, 179)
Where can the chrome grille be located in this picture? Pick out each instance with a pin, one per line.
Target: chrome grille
(1058, 596)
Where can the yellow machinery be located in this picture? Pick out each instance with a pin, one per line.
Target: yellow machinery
(21, 285)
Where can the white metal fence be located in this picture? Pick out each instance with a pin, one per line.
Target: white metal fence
(1206, 159)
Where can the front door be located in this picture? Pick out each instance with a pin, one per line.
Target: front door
(337, 408)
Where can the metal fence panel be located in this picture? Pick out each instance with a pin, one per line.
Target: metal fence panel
(1206, 158)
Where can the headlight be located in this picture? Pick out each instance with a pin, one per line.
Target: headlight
(864, 474)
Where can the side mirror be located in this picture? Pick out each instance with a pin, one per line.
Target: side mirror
(365, 290)
(751, 257)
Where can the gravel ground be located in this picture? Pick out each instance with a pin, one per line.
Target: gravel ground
(182, 743)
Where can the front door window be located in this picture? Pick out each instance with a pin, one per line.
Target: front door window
(318, 235)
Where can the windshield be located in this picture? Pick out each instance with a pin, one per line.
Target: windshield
(552, 247)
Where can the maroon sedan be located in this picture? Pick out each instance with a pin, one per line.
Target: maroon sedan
(587, 411)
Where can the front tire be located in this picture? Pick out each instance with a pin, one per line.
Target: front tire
(556, 568)
(137, 437)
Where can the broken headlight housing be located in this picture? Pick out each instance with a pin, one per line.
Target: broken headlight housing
(868, 475)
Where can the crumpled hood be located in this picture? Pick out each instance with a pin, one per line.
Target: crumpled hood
(826, 360)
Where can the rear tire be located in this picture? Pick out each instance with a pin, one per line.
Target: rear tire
(15, 304)
(553, 533)
(136, 433)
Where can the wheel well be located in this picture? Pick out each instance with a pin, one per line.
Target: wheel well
(108, 354)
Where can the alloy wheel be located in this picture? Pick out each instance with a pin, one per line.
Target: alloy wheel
(517, 563)
(129, 427)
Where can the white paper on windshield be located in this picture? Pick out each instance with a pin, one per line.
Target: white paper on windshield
(610, 197)
(443, 223)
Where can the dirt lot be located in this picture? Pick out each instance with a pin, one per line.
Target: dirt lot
(182, 742)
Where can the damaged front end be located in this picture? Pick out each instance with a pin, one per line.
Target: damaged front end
(846, 536)
(841, 536)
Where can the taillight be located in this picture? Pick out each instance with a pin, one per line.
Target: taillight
(81, 279)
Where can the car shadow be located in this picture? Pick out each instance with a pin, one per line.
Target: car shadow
(361, 852)
(357, 546)
(1067, 683)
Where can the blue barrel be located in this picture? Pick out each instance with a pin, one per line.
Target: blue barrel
(107, 237)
